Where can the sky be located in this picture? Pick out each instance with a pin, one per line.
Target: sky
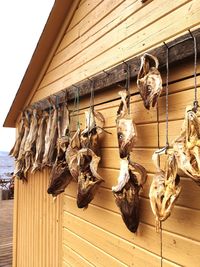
(21, 24)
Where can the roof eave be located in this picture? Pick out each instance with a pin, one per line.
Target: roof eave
(54, 23)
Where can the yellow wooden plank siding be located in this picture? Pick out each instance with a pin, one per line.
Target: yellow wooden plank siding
(37, 238)
(47, 233)
(101, 226)
(112, 37)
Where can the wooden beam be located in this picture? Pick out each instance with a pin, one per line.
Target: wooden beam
(180, 49)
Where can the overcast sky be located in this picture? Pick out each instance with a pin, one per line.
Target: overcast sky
(21, 24)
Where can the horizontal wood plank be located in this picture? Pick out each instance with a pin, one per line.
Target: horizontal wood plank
(89, 28)
(73, 258)
(146, 137)
(110, 56)
(82, 11)
(131, 26)
(184, 252)
(105, 218)
(177, 105)
(141, 156)
(118, 14)
(129, 254)
(94, 255)
(105, 199)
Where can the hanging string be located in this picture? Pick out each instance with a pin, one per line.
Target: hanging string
(195, 73)
(92, 95)
(127, 85)
(91, 110)
(76, 105)
(166, 97)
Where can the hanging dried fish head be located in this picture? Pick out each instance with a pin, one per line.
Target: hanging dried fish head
(126, 193)
(126, 129)
(60, 177)
(88, 179)
(127, 199)
(149, 80)
(90, 136)
(165, 190)
(187, 145)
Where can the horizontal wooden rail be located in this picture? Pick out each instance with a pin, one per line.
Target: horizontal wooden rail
(180, 49)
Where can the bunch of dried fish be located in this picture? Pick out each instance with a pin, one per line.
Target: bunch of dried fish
(88, 178)
(43, 138)
(149, 81)
(82, 159)
(165, 188)
(126, 192)
(60, 176)
(187, 145)
(19, 171)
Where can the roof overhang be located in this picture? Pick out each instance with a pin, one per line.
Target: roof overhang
(50, 32)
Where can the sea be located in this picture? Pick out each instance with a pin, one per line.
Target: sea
(6, 165)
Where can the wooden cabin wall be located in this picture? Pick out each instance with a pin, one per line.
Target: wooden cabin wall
(101, 34)
(97, 236)
(37, 224)
(104, 33)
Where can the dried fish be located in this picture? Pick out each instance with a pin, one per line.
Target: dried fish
(149, 80)
(51, 138)
(71, 154)
(47, 139)
(40, 141)
(63, 132)
(60, 176)
(20, 161)
(88, 178)
(30, 144)
(90, 136)
(126, 129)
(187, 146)
(15, 150)
(165, 188)
(127, 191)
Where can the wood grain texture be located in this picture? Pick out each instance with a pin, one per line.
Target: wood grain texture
(110, 55)
(100, 36)
(112, 222)
(85, 249)
(181, 250)
(129, 28)
(130, 254)
(38, 240)
(74, 258)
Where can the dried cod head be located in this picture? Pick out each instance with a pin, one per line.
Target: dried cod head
(165, 188)
(126, 129)
(149, 80)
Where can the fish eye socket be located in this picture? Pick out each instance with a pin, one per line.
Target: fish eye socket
(148, 89)
(120, 136)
